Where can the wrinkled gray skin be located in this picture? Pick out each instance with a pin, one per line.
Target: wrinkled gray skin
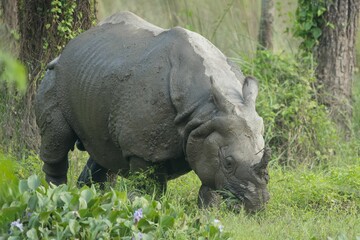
(137, 96)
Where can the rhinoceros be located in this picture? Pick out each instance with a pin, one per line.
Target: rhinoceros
(137, 96)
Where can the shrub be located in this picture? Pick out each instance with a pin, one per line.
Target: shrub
(297, 126)
(43, 212)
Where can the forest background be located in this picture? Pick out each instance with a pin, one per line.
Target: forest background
(314, 171)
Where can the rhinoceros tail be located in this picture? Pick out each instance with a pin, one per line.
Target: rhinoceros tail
(51, 65)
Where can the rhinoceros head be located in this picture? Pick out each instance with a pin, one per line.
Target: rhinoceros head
(227, 152)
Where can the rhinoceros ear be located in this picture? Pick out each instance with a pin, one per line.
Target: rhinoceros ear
(250, 91)
(220, 101)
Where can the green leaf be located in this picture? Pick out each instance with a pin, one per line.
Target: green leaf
(321, 11)
(44, 217)
(308, 25)
(167, 221)
(33, 182)
(316, 32)
(309, 44)
(23, 186)
(145, 226)
(74, 226)
(33, 200)
(82, 203)
(97, 211)
(74, 203)
(87, 195)
(32, 234)
(66, 197)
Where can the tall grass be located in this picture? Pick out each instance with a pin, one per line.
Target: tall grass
(231, 25)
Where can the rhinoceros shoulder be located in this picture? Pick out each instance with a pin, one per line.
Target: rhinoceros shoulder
(196, 62)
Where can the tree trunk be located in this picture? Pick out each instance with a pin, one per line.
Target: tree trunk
(9, 13)
(45, 27)
(9, 18)
(335, 56)
(266, 24)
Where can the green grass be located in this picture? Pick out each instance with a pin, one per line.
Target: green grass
(305, 204)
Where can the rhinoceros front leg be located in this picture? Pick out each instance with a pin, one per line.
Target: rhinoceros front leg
(95, 173)
(208, 197)
(147, 176)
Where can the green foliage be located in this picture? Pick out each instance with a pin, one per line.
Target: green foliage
(43, 212)
(12, 72)
(33, 166)
(309, 22)
(8, 177)
(304, 204)
(62, 17)
(297, 126)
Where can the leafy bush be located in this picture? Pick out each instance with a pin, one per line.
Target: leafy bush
(9, 180)
(297, 126)
(12, 72)
(62, 212)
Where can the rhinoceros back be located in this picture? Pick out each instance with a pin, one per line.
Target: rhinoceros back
(113, 86)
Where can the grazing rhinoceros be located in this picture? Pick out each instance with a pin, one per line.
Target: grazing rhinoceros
(138, 96)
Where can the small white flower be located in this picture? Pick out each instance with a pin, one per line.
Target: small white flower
(221, 228)
(18, 225)
(218, 225)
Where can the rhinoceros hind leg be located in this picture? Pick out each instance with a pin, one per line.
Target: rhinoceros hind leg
(57, 138)
(94, 173)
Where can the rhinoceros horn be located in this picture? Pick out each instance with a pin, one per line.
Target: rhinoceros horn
(250, 91)
(261, 166)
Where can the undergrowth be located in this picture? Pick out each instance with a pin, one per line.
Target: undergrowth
(298, 128)
(305, 204)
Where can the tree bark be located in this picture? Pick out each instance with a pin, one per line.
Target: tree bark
(41, 41)
(335, 56)
(9, 13)
(9, 18)
(266, 25)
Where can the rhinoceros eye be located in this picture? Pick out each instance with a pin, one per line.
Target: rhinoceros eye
(229, 162)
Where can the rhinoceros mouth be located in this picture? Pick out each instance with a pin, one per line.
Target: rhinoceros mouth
(229, 195)
(234, 202)
(237, 199)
